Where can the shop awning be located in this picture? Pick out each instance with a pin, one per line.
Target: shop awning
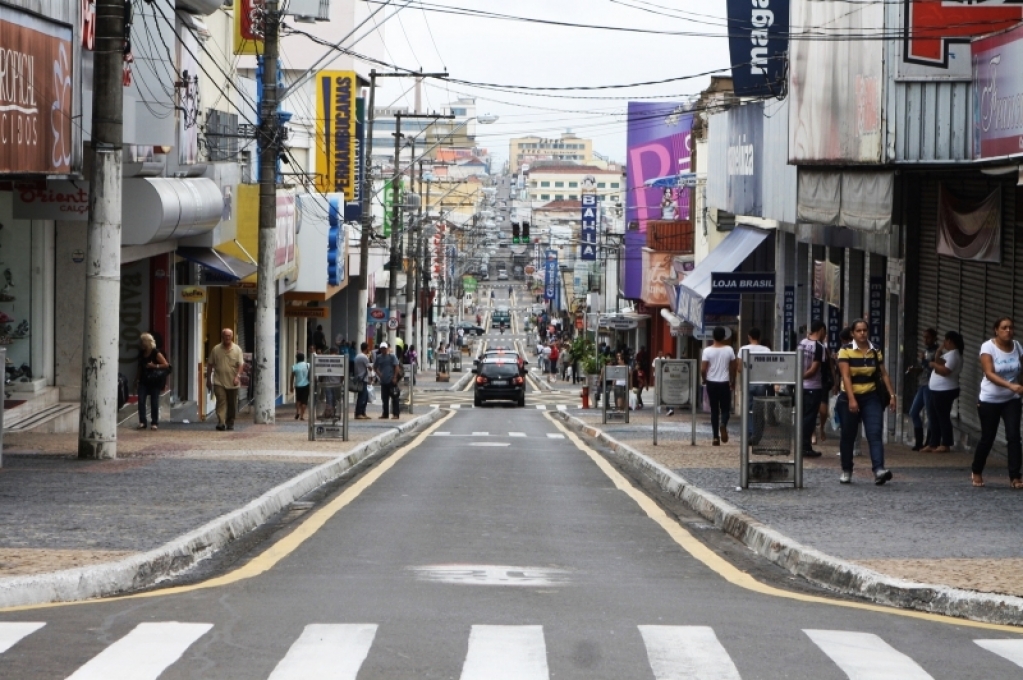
(693, 298)
(222, 265)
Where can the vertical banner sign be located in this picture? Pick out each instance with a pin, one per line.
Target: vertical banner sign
(550, 275)
(789, 317)
(834, 328)
(353, 207)
(588, 230)
(758, 40)
(334, 264)
(248, 31)
(745, 160)
(817, 309)
(389, 203)
(336, 133)
(877, 294)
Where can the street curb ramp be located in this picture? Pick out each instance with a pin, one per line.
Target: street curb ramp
(815, 566)
(172, 558)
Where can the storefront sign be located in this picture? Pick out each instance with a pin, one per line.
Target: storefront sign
(550, 279)
(248, 29)
(36, 83)
(834, 329)
(190, 294)
(618, 323)
(877, 315)
(789, 317)
(937, 34)
(307, 312)
(353, 208)
(998, 95)
(674, 383)
(588, 227)
(758, 41)
(52, 200)
(378, 314)
(335, 132)
(742, 282)
(744, 162)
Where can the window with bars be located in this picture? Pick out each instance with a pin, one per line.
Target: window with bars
(221, 135)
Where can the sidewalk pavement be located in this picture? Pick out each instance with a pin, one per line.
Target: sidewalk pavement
(61, 512)
(928, 525)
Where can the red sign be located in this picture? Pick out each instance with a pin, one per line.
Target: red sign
(933, 25)
(88, 24)
(378, 314)
(35, 94)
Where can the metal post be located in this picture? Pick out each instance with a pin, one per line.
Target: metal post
(367, 213)
(313, 389)
(344, 402)
(744, 434)
(604, 395)
(269, 144)
(392, 284)
(798, 419)
(657, 394)
(694, 373)
(97, 424)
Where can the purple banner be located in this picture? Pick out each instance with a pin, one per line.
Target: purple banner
(998, 95)
(658, 147)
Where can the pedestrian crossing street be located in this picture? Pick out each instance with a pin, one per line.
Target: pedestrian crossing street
(502, 652)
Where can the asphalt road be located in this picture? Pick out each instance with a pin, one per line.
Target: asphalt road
(494, 548)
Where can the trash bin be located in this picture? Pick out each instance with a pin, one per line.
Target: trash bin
(443, 368)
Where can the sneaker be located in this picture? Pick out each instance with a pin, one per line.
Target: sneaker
(845, 478)
(882, 476)
(812, 454)
(716, 442)
(724, 434)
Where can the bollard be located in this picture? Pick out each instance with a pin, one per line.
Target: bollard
(586, 396)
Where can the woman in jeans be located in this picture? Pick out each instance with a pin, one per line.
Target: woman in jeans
(1000, 400)
(718, 368)
(150, 379)
(944, 386)
(861, 364)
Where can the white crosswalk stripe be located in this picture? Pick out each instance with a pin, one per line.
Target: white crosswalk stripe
(144, 653)
(327, 652)
(687, 653)
(11, 633)
(555, 435)
(1007, 649)
(541, 407)
(865, 656)
(516, 434)
(506, 653)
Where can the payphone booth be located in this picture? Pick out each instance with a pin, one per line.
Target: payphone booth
(328, 397)
(771, 441)
(676, 385)
(615, 383)
(408, 379)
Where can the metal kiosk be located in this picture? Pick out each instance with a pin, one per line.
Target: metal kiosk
(329, 382)
(456, 361)
(776, 426)
(676, 384)
(408, 372)
(616, 383)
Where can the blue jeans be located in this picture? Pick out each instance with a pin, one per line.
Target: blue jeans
(153, 393)
(755, 391)
(921, 403)
(871, 414)
(361, 401)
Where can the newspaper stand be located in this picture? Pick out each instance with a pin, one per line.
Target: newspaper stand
(407, 383)
(328, 397)
(616, 383)
(443, 368)
(676, 385)
(777, 421)
(456, 361)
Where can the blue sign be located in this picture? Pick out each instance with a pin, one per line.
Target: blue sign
(877, 295)
(834, 329)
(742, 282)
(550, 275)
(588, 228)
(335, 265)
(789, 317)
(353, 208)
(758, 43)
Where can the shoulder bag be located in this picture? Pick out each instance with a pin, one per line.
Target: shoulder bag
(879, 385)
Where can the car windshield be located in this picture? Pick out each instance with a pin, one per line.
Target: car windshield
(500, 370)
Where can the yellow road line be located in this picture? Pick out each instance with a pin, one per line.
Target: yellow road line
(728, 571)
(279, 550)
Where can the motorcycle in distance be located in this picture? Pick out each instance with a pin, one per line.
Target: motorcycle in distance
(503, 327)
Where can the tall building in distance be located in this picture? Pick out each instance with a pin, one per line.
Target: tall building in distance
(569, 148)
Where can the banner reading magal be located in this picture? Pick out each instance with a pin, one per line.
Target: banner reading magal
(336, 94)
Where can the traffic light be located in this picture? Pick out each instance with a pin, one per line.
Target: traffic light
(525, 232)
(515, 232)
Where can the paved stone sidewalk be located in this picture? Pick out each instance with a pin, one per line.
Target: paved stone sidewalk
(61, 512)
(927, 525)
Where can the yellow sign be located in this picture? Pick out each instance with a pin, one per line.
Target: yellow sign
(191, 293)
(336, 153)
(307, 312)
(248, 32)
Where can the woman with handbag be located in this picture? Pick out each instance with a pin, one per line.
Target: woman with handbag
(150, 379)
(866, 390)
(1000, 401)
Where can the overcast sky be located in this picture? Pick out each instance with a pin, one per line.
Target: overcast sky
(488, 50)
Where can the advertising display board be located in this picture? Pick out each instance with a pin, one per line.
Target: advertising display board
(998, 95)
(336, 158)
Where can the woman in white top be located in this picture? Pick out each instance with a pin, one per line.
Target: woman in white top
(1000, 400)
(718, 369)
(944, 388)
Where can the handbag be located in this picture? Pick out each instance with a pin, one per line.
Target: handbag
(356, 385)
(879, 385)
(157, 376)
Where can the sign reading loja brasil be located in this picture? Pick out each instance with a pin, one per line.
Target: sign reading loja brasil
(35, 94)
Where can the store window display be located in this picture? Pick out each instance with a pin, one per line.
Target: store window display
(15, 293)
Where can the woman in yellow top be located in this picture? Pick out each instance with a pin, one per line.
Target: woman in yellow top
(859, 363)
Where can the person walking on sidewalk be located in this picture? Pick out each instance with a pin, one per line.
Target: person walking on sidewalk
(1000, 400)
(944, 387)
(226, 365)
(813, 382)
(862, 368)
(388, 370)
(361, 377)
(718, 369)
(300, 385)
(922, 400)
(150, 379)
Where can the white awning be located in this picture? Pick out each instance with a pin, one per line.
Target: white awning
(163, 208)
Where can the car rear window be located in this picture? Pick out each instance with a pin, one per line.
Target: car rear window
(500, 370)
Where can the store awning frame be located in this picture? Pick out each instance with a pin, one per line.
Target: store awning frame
(693, 297)
(225, 266)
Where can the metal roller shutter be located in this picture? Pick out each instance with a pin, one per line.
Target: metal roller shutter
(927, 306)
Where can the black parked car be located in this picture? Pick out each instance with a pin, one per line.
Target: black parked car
(471, 328)
(499, 379)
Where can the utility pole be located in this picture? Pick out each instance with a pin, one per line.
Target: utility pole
(367, 210)
(269, 140)
(97, 424)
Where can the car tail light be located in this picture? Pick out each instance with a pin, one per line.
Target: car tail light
(517, 380)
(480, 380)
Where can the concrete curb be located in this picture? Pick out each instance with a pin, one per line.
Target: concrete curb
(184, 552)
(824, 570)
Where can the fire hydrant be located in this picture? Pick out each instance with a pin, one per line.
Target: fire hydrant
(586, 396)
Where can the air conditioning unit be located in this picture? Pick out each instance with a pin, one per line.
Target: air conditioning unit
(309, 10)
